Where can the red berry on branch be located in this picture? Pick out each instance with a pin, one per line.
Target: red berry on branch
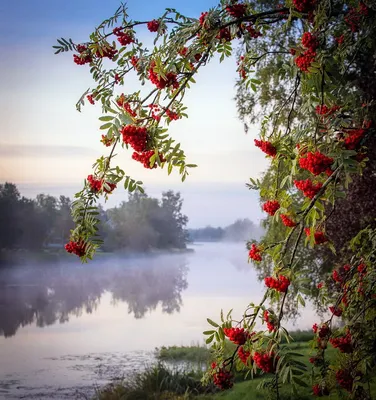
(78, 248)
(236, 335)
(153, 25)
(266, 147)
(319, 236)
(271, 207)
(255, 253)
(308, 188)
(287, 221)
(90, 99)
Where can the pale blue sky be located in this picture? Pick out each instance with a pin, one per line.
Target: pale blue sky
(47, 146)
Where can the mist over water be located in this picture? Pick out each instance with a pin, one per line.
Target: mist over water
(65, 327)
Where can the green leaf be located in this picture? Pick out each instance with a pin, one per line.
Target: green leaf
(212, 323)
(209, 339)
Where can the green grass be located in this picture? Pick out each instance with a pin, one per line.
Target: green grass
(195, 353)
(161, 383)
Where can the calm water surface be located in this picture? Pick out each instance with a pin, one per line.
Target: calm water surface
(66, 328)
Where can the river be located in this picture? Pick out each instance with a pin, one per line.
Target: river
(67, 329)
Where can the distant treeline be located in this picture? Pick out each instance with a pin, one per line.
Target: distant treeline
(240, 230)
(139, 224)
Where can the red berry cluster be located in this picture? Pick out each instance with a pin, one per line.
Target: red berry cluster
(155, 110)
(117, 78)
(90, 99)
(109, 52)
(344, 379)
(237, 10)
(255, 253)
(135, 136)
(320, 285)
(303, 61)
(78, 248)
(84, 56)
(224, 34)
(161, 83)
(123, 37)
(308, 188)
(244, 356)
(107, 141)
(252, 31)
(310, 41)
(344, 343)
(172, 115)
(265, 361)
(287, 221)
(335, 311)
(134, 61)
(316, 163)
(320, 391)
(222, 378)
(144, 158)
(202, 19)
(325, 110)
(271, 207)
(183, 51)
(269, 321)
(339, 275)
(266, 147)
(94, 183)
(304, 5)
(319, 236)
(236, 335)
(354, 15)
(280, 284)
(353, 138)
(340, 39)
(153, 25)
(323, 331)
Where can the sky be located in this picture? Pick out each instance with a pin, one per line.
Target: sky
(46, 146)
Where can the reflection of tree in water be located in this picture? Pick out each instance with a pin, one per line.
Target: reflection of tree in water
(50, 295)
(144, 288)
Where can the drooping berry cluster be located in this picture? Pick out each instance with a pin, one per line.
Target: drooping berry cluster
(97, 184)
(269, 321)
(155, 110)
(266, 147)
(271, 207)
(316, 163)
(244, 356)
(237, 10)
(343, 343)
(174, 116)
(224, 35)
(123, 37)
(325, 110)
(236, 335)
(323, 331)
(308, 188)
(84, 56)
(78, 248)
(255, 253)
(303, 61)
(319, 236)
(161, 83)
(305, 5)
(345, 379)
(287, 221)
(221, 377)
(265, 361)
(90, 99)
(153, 25)
(354, 16)
(310, 41)
(202, 20)
(353, 138)
(253, 33)
(280, 284)
(144, 158)
(337, 311)
(135, 136)
(134, 61)
(107, 51)
(320, 391)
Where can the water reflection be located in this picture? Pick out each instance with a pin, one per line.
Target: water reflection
(51, 294)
